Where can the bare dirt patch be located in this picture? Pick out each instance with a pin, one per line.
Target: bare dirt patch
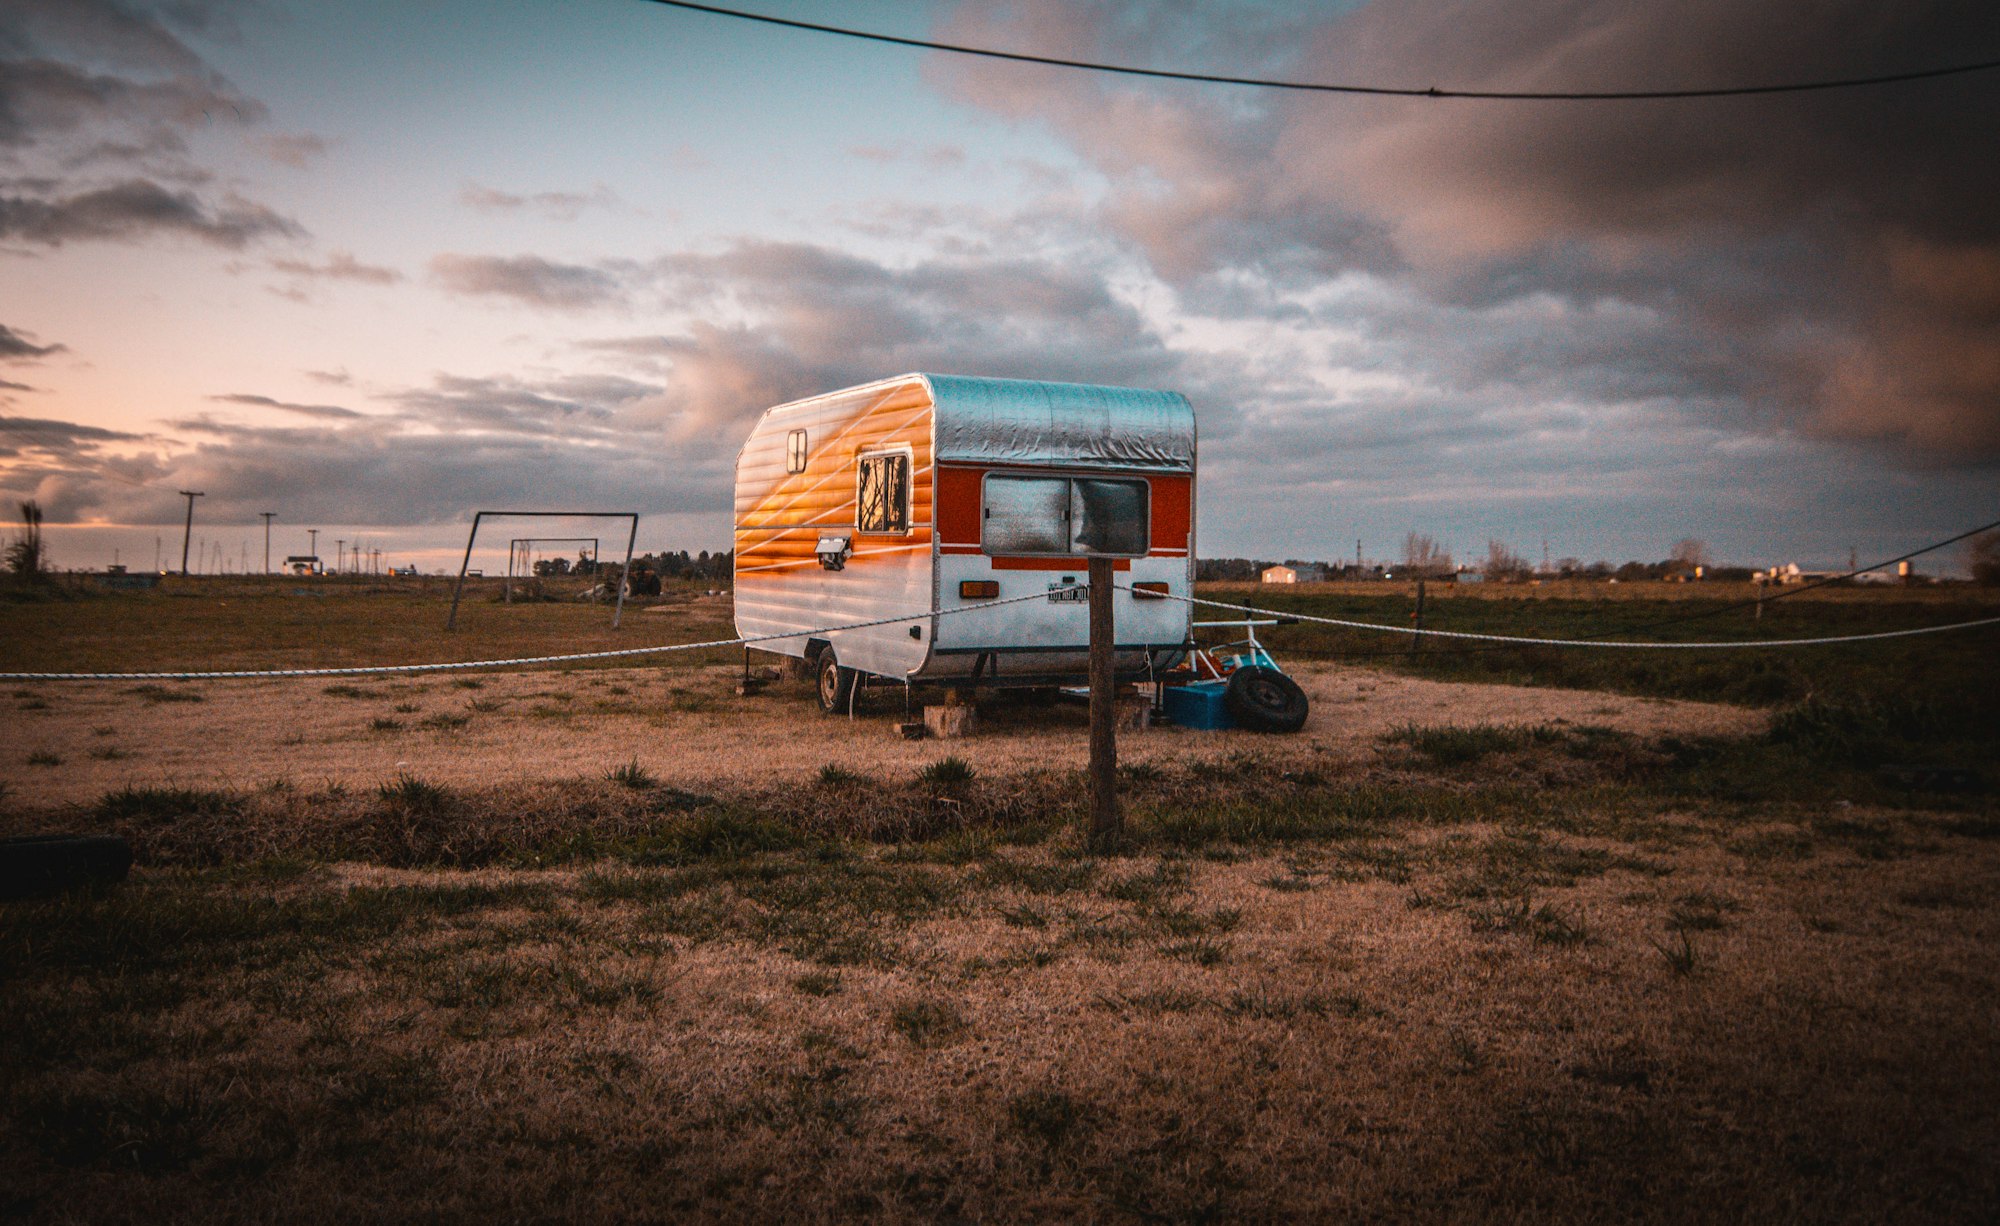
(683, 725)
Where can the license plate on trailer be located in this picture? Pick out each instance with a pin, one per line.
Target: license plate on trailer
(1068, 593)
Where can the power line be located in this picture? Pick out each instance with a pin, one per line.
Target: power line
(1628, 95)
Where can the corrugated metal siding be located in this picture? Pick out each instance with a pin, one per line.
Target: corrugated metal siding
(780, 585)
(1077, 425)
(780, 517)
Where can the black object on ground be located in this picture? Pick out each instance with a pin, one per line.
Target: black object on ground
(1265, 700)
(37, 866)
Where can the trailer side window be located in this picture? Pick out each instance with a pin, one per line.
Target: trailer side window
(1108, 517)
(795, 452)
(1065, 516)
(882, 496)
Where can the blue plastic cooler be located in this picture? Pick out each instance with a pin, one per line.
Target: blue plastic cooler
(1198, 705)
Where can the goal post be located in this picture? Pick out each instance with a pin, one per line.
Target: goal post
(478, 517)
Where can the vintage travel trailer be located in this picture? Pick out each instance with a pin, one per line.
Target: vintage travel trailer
(922, 494)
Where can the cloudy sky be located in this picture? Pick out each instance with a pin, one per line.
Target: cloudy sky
(373, 266)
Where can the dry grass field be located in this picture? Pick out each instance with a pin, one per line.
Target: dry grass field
(617, 944)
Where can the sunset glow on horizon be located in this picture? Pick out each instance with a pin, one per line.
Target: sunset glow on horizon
(374, 267)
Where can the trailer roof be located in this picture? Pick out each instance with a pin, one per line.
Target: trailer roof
(1022, 421)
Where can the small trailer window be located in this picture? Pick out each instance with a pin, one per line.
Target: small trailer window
(795, 452)
(1065, 516)
(882, 496)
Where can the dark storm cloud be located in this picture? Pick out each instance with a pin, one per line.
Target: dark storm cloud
(528, 279)
(135, 209)
(574, 408)
(45, 444)
(97, 100)
(1827, 262)
(340, 266)
(324, 412)
(791, 319)
(16, 347)
(444, 450)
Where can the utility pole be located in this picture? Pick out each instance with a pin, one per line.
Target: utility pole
(187, 531)
(313, 549)
(267, 539)
(339, 553)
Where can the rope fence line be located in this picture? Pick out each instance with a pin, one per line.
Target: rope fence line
(749, 640)
(383, 669)
(1540, 642)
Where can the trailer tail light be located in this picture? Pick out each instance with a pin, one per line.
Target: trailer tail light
(978, 589)
(1150, 591)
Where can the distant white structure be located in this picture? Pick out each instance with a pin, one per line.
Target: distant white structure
(304, 564)
(1293, 574)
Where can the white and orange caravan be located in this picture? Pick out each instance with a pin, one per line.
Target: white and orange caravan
(923, 494)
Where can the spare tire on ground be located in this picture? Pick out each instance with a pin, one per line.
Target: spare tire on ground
(36, 866)
(1265, 700)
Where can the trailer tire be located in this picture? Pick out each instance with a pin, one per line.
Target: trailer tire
(835, 682)
(1265, 700)
(36, 866)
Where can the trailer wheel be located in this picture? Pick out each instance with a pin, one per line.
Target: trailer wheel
(36, 866)
(1265, 700)
(836, 683)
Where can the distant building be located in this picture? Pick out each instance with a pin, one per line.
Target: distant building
(304, 564)
(1294, 574)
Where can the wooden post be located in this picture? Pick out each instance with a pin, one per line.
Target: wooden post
(1417, 620)
(1106, 826)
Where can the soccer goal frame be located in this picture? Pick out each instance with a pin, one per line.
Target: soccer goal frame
(479, 517)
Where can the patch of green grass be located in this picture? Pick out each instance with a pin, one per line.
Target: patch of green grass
(1200, 950)
(383, 723)
(44, 757)
(715, 834)
(1287, 884)
(162, 805)
(1265, 1004)
(1164, 878)
(414, 795)
(344, 690)
(634, 776)
(833, 776)
(1545, 925)
(947, 772)
(1448, 745)
(444, 722)
(1682, 956)
(928, 1022)
(160, 693)
(1049, 1118)
(1700, 911)
(1005, 872)
(1775, 844)
(816, 983)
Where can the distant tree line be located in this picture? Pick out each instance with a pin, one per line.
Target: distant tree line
(1424, 557)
